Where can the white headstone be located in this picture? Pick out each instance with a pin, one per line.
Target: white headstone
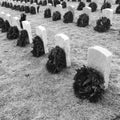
(111, 1)
(108, 13)
(100, 59)
(87, 10)
(2, 14)
(27, 26)
(83, 1)
(15, 22)
(59, 8)
(41, 31)
(72, 9)
(63, 41)
(9, 18)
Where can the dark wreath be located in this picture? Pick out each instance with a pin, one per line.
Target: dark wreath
(5, 26)
(68, 17)
(56, 60)
(38, 47)
(81, 6)
(56, 16)
(106, 5)
(93, 6)
(89, 84)
(22, 18)
(47, 13)
(23, 39)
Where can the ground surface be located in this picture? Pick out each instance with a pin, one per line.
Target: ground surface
(29, 92)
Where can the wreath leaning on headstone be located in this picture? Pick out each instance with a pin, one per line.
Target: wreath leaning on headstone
(6, 26)
(22, 18)
(23, 39)
(106, 5)
(89, 84)
(93, 6)
(22, 8)
(117, 2)
(38, 47)
(68, 17)
(83, 20)
(32, 10)
(56, 60)
(44, 3)
(13, 33)
(1, 22)
(64, 4)
(81, 6)
(56, 16)
(47, 13)
(118, 9)
(103, 24)
(27, 9)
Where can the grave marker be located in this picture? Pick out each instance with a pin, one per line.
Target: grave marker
(63, 41)
(41, 31)
(27, 26)
(100, 59)
(16, 22)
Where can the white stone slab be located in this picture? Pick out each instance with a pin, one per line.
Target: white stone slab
(63, 41)
(108, 13)
(9, 18)
(87, 10)
(27, 26)
(72, 9)
(15, 22)
(100, 59)
(2, 14)
(41, 31)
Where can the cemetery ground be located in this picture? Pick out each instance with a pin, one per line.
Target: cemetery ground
(29, 92)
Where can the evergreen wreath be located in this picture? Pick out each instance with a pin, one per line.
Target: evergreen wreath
(83, 20)
(13, 33)
(22, 8)
(56, 16)
(68, 17)
(38, 47)
(93, 6)
(81, 6)
(50, 1)
(118, 9)
(103, 24)
(5, 26)
(117, 1)
(1, 22)
(23, 39)
(22, 18)
(56, 2)
(47, 13)
(88, 0)
(89, 84)
(40, 3)
(44, 3)
(27, 9)
(106, 5)
(32, 10)
(64, 4)
(56, 60)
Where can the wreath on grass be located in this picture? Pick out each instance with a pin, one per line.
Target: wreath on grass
(32, 10)
(22, 8)
(23, 39)
(27, 9)
(56, 60)
(5, 26)
(44, 3)
(64, 4)
(103, 24)
(13, 33)
(1, 22)
(117, 2)
(81, 6)
(56, 16)
(89, 84)
(93, 6)
(38, 47)
(47, 13)
(83, 20)
(106, 5)
(118, 9)
(68, 17)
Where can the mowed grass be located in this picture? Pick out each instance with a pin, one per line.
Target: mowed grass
(29, 92)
